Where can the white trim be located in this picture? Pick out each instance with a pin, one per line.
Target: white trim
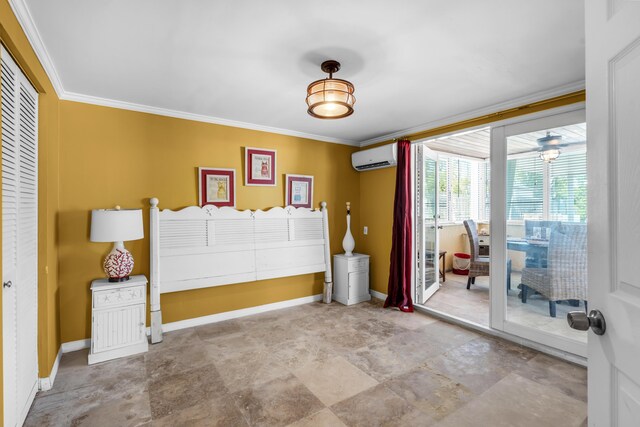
(378, 295)
(234, 314)
(123, 105)
(68, 347)
(45, 384)
(536, 97)
(22, 13)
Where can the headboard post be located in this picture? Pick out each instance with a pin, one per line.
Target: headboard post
(328, 278)
(154, 237)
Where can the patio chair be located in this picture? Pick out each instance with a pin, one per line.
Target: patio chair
(479, 266)
(535, 258)
(565, 278)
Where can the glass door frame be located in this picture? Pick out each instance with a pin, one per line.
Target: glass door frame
(422, 291)
(498, 306)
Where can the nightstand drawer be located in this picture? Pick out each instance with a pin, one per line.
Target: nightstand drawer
(124, 296)
(359, 264)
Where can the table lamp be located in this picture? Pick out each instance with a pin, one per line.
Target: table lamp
(117, 226)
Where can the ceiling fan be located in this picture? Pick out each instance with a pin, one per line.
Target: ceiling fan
(550, 145)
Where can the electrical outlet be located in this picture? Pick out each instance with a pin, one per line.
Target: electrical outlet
(365, 230)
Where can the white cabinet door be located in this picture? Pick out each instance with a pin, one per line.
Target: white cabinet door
(19, 241)
(358, 284)
(118, 327)
(613, 127)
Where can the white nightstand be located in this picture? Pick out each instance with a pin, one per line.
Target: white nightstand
(118, 319)
(351, 278)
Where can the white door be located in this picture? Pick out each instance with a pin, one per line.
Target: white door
(427, 276)
(19, 241)
(613, 125)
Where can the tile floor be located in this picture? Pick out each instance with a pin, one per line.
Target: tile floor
(319, 365)
(454, 298)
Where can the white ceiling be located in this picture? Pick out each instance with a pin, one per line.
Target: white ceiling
(476, 143)
(412, 62)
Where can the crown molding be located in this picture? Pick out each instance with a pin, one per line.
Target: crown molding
(518, 102)
(105, 102)
(22, 13)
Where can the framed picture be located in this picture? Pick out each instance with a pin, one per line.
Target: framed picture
(259, 166)
(299, 191)
(217, 187)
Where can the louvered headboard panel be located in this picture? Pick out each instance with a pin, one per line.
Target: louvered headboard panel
(200, 247)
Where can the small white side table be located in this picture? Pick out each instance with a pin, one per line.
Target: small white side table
(351, 278)
(118, 319)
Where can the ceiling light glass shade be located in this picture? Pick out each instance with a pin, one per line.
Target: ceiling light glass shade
(549, 155)
(330, 98)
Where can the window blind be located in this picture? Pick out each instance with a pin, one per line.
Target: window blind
(568, 187)
(525, 187)
(443, 184)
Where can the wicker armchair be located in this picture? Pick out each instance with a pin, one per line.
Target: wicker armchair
(479, 266)
(565, 278)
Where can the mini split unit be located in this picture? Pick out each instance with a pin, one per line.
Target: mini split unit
(375, 158)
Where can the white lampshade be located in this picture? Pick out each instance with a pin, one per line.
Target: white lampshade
(116, 225)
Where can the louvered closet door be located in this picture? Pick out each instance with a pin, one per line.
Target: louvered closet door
(19, 241)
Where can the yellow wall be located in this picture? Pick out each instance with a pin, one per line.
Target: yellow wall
(15, 41)
(377, 189)
(116, 157)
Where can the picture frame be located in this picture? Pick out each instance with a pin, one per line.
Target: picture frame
(299, 191)
(217, 186)
(260, 166)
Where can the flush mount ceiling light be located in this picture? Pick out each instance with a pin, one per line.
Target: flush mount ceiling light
(330, 98)
(550, 147)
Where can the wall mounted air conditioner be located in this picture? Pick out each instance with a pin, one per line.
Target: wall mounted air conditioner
(375, 158)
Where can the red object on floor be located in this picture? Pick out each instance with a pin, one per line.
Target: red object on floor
(460, 271)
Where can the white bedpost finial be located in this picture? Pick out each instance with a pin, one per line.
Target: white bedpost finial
(154, 202)
(323, 205)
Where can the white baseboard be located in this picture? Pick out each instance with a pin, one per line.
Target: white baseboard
(68, 347)
(234, 314)
(204, 320)
(378, 295)
(45, 384)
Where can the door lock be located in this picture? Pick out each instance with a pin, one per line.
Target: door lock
(581, 321)
(7, 284)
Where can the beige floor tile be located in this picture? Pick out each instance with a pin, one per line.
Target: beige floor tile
(517, 401)
(377, 406)
(333, 380)
(435, 394)
(177, 392)
(277, 403)
(563, 376)
(324, 418)
(219, 329)
(217, 412)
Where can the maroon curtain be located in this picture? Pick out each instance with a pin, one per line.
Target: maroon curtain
(399, 292)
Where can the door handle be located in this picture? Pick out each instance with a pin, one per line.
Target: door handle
(7, 284)
(581, 321)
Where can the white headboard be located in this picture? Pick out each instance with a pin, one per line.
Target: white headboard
(199, 247)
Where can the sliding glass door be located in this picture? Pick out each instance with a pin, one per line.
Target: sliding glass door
(539, 228)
